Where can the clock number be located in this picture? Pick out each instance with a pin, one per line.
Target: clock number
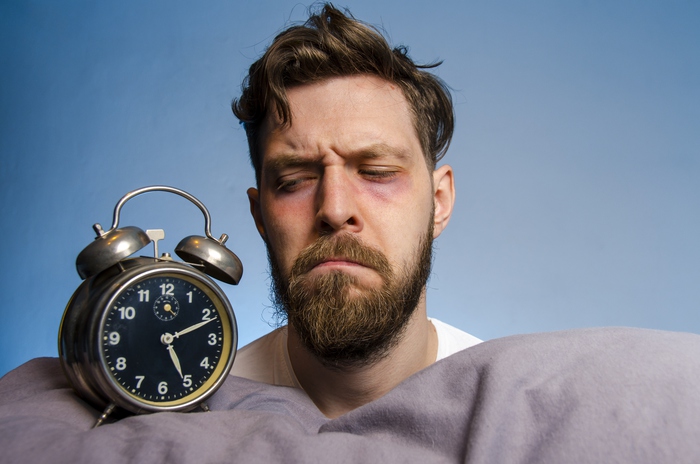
(127, 313)
(187, 381)
(121, 364)
(139, 379)
(212, 339)
(114, 338)
(205, 363)
(207, 314)
(163, 388)
(189, 296)
(144, 295)
(167, 289)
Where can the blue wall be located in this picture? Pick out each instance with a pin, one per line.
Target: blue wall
(577, 153)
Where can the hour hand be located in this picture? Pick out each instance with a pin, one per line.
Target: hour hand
(175, 359)
(167, 340)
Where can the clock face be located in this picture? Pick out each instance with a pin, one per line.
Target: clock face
(165, 339)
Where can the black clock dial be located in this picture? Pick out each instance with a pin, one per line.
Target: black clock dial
(165, 338)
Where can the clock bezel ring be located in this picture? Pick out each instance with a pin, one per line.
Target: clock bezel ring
(105, 380)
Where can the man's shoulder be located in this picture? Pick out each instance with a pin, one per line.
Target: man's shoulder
(266, 360)
(255, 361)
(451, 339)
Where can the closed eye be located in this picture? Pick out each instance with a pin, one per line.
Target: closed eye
(379, 175)
(291, 184)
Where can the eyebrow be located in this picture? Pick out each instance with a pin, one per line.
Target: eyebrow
(370, 152)
(382, 150)
(289, 160)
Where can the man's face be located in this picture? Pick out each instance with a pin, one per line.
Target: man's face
(347, 188)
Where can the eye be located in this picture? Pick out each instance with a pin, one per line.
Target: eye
(378, 174)
(290, 184)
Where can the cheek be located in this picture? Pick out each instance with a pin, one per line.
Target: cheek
(401, 215)
(286, 226)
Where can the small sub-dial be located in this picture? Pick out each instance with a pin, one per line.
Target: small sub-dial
(166, 307)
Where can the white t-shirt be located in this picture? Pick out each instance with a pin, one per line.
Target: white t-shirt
(267, 359)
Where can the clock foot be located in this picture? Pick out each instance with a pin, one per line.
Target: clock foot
(108, 410)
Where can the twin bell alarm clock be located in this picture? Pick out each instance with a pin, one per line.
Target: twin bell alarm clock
(148, 334)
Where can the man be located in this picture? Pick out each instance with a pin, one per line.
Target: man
(344, 135)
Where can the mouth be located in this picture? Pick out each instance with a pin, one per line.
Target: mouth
(344, 254)
(335, 262)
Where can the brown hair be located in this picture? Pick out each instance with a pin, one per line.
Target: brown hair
(331, 44)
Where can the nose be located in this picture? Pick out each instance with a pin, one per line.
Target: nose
(337, 207)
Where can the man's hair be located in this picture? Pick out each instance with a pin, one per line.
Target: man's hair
(333, 44)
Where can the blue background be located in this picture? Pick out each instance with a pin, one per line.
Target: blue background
(577, 153)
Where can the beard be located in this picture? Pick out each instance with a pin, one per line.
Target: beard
(337, 320)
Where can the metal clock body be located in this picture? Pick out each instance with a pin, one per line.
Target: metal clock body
(116, 348)
(150, 334)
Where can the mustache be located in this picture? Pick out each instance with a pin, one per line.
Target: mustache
(346, 247)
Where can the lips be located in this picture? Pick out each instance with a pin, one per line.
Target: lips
(341, 261)
(342, 250)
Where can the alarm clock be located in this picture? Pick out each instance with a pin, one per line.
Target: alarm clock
(148, 334)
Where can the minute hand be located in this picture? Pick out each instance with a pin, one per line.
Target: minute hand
(193, 327)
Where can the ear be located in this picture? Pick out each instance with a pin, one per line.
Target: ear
(443, 197)
(256, 212)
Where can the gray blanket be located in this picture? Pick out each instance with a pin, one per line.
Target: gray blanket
(597, 395)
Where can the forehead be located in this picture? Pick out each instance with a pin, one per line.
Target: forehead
(343, 113)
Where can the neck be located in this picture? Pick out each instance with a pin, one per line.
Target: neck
(337, 391)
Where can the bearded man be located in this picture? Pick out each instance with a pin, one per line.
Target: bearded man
(345, 134)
